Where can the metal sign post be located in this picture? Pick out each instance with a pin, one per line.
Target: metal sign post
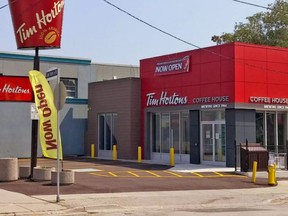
(34, 126)
(53, 77)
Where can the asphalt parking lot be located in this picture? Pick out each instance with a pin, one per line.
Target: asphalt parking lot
(108, 176)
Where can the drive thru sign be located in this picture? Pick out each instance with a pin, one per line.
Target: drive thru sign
(58, 88)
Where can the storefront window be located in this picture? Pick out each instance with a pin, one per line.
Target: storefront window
(107, 131)
(165, 132)
(217, 115)
(281, 132)
(175, 127)
(270, 131)
(185, 136)
(155, 132)
(170, 129)
(260, 128)
(101, 131)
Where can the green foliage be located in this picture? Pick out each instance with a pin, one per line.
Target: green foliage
(266, 28)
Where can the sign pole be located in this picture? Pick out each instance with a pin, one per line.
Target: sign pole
(53, 77)
(34, 131)
(58, 159)
(58, 133)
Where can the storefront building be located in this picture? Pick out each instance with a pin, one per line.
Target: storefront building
(16, 100)
(202, 102)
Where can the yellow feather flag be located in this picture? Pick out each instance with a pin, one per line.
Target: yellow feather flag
(47, 115)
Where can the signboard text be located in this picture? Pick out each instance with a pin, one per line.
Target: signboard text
(165, 99)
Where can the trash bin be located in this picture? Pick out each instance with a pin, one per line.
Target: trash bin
(253, 152)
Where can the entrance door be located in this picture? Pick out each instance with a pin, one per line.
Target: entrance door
(213, 142)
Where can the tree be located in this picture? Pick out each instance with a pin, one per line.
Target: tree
(266, 28)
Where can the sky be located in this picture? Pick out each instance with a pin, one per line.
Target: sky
(93, 29)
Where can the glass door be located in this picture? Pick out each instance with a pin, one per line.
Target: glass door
(214, 142)
(208, 143)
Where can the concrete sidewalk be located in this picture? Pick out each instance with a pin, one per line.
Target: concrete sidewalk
(156, 202)
(150, 203)
(208, 168)
(200, 168)
(12, 203)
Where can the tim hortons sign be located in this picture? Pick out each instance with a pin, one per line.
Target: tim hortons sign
(37, 23)
(15, 89)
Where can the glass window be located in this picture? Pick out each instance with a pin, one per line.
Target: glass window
(107, 131)
(155, 132)
(281, 132)
(101, 131)
(217, 115)
(114, 128)
(175, 127)
(271, 131)
(71, 87)
(165, 133)
(220, 142)
(170, 129)
(185, 135)
(260, 128)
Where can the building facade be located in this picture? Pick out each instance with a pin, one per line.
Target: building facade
(114, 117)
(202, 102)
(75, 73)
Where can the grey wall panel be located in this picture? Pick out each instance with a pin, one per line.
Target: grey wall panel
(15, 133)
(195, 137)
(240, 125)
(73, 129)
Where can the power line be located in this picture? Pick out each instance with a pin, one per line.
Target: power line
(162, 31)
(204, 49)
(152, 26)
(3, 6)
(251, 4)
(177, 38)
(11, 2)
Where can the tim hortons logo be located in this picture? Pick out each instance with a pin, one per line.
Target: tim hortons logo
(165, 99)
(42, 20)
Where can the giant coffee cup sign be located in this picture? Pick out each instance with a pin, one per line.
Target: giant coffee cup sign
(37, 23)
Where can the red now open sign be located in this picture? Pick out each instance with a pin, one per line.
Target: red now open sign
(15, 89)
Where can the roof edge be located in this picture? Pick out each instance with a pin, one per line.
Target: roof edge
(6, 55)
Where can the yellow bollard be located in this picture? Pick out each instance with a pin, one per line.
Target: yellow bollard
(271, 174)
(139, 154)
(92, 151)
(172, 161)
(114, 152)
(275, 166)
(254, 171)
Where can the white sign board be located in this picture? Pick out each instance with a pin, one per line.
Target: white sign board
(53, 77)
(34, 112)
(58, 88)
